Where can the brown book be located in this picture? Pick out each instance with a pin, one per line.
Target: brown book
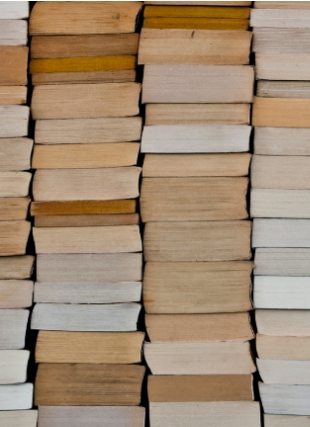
(13, 237)
(111, 76)
(86, 220)
(88, 384)
(83, 207)
(89, 347)
(13, 65)
(13, 95)
(16, 267)
(197, 287)
(195, 23)
(16, 293)
(85, 101)
(15, 208)
(199, 388)
(15, 154)
(282, 5)
(196, 12)
(197, 241)
(83, 18)
(198, 327)
(193, 199)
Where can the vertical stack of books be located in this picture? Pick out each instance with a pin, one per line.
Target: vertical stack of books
(16, 290)
(280, 204)
(197, 278)
(89, 263)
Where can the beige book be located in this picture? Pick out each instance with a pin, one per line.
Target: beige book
(13, 366)
(280, 203)
(273, 371)
(283, 322)
(13, 324)
(19, 418)
(286, 420)
(195, 139)
(16, 293)
(193, 165)
(199, 47)
(283, 89)
(16, 267)
(199, 388)
(219, 414)
(83, 18)
(92, 416)
(85, 317)
(14, 208)
(222, 358)
(283, 347)
(200, 3)
(197, 287)
(14, 121)
(281, 233)
(285, 399)
(89, 347)
(14, 184)
(88, 293)
(13, 65)
(197, 241)
(85, 268)
(278, 141)
(13, 32)
(85, 220)
(15, 154)
(91, 131)
(86, 184)
(196, 114)
(280, 18)
(16, 396)
(282, 4)
(14, 10)
(14, 237)
(226, 84)
(13, 95)
(198, 327)
(84, 45)
(193, 199)
(118, 76)
(77, 156)
(281, 40)
(282, 261)
(282, 66)
(77, 240)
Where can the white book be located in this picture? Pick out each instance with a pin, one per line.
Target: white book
(13, 324)
(282, 262)
(17, 396)
(14, 120)
(85, 317)
(13, 366)
(13, 32)
(14, 9)
(283, 322)
(18, 418)
(273, 371)
(280, 141)
(195, 139)
(282, 66)
(280, 18)
(286, 421)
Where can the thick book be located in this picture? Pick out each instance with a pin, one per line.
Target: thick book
(21, 418)
(274, 371)
(278, 141)
(13, 95)
(283, 347)
(280, 18)
(14, 120)
(13, 325)
(14, 10)
(280, 40)
(283, 89)
(16, 293)
(14, 237)
(13, 366)
(14, 208)
(16, 396)
(14, 184)
(13, 32)
(285, 420)
(282, 261)
(15, 154)
(283, 322)
(13, 65)
(282, 66)
(16, 267)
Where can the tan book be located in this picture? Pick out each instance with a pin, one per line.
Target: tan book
(198, 327)
(16, 293)
(13, 325)
(86, 184)
(277, 112)
(281, 40)
(111, 76)
(14, 10)
(282, 5)
(220, 414)
(14, 120)
(13, 32)
(282, 66)
(193, 199)
(83, 18)
(194, 165)
(281, 233)
(283, 322)
(13, 366)
(196, 114)
(280, 18)
(19, 418)
(278, 141)
(13, 65)
(84, 45)
(283, 89)
(286, 420)
(89, 347)
(283, 347)
(199, 3)
(99, 207)
(14, 237)
(86, 317)
(89, 268)
(273, 371)
(226, 84)
(14, 208)
(16, 267)
(195, 139)
(177, 46)
(199, 388)
(207, 358)
(13, 95)
(282, 261)
(79, 416)
(78, 156)
(82, 131)
(14, 184)
(196, 12)
(85, 101)
(86, 220)
(15, 153)
(197, 287)
(195, 23)
(197, 241)
(16, 396)
(69, 384)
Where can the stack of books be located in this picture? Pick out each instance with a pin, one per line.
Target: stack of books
(197, 279)
(87, 237)
(16, 288)
(280, 204)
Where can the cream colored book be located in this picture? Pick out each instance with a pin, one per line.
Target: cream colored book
(282, 261)
(273, 371)
(286, 420)
(15, 153)
(14, 237)
(13, 324)
(14, 208)
(85, 317)
(16, 267)
(13, 32)
(280, 40)
(283, 347)
(16, 396)
(226, 84)
(280, 18)
(19, 418)
(14, 10)
(278, 141)
(205, 358)
(283, 322)
(13, 95)
(14, 121)
(283, 89)
(282, 66)
(13, 366)
(14, 184)
(16, 293)
(304, 5)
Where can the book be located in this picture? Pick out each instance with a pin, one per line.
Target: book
(285, 420)
(280, 18)
(13, 65)
(13, 366)
(283, 322)
(14, 121)
(15, 208)
(80, 207)
(283, 89)
(14, 10)
(281, 139)
(110, 76)
(283, 347)
(86, 220)
(280, 40)
(14, 184)
(195, 12)
(14, 237)
(15, 154)
(16, 267)
(282, 66)
(13, 329)
(19, 418)
(13, 32)
(282, 5)
(273, 371)
(13, 95)
(282, 261)
(16, 293)
(16, 396)
(195, 23)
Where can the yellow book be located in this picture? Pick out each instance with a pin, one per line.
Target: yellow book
(93, 63)
(196, 12)
(196, 23)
